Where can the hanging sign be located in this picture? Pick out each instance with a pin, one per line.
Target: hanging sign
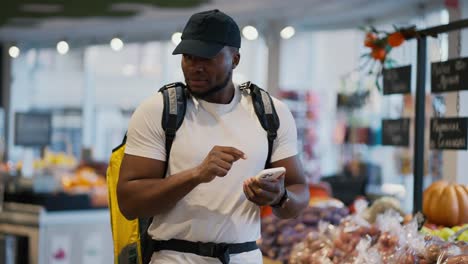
(449, 133)
(397, 80)
(451, 75)
(33, 129)
(395, 132)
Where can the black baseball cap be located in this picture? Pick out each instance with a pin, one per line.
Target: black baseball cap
(206, 33)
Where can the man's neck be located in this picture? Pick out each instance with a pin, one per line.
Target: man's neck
(223, 96)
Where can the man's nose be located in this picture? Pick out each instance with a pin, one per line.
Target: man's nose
(198, 64)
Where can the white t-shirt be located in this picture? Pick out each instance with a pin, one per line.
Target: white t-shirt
(217, 211)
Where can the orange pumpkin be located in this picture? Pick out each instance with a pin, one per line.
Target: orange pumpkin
(446, 203)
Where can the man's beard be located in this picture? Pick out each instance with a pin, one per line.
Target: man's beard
(212, 90)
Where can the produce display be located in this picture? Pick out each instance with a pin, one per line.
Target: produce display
(82, 180)
(279, 236)
(381, 233)
(378, 207)
(387, 241)
(73, 177)
(446, 204)
(54, 160)
(86, 180)
(446, 233)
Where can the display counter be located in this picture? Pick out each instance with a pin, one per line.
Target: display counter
(53, 237)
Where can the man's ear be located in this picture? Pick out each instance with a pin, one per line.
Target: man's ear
(235, 60)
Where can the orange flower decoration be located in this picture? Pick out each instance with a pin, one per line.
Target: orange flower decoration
(395, 39)
(370, 40)
(379, 54)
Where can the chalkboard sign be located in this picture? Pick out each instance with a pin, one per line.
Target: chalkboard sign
(33, 129)
(448, 133)
(395, 132)
(451, 75)
(397, 80)
(3, 74)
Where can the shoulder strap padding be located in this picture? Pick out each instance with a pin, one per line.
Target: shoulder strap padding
(175, 100)
(264, 107)
(175, 104)
(266, 113)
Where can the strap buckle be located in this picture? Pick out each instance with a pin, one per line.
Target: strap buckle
(214, 250)
(244, 86)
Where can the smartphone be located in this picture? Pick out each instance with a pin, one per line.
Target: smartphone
(270, 174)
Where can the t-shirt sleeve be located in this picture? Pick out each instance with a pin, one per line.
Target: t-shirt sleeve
(285, 145)
(145, 136)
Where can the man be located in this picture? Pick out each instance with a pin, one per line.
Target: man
(208, 194)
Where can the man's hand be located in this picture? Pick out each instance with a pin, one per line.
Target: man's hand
(218, 163)
(264, 192)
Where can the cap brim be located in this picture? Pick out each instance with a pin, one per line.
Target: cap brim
(198, 48)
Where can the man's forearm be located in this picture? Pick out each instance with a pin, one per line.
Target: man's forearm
(149, 197)
(298, 200)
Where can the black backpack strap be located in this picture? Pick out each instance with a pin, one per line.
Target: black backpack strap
(266, 113)
(175, 102)
(124, 140)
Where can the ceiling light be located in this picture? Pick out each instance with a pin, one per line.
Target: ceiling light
(116, 44)
(62, 47)
(176, 38)
(250, 32)
(287, 32)
(14, 52)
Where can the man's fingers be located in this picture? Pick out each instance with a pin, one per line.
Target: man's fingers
(226, 157)
(223, 164)
(248, 192)
(270, 186)
(220, 171)
(238, 154)
(252, 196)
(258, 195)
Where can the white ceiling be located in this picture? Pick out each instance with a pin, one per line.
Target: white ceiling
(159, 23)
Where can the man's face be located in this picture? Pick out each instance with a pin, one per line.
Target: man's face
(203, 75)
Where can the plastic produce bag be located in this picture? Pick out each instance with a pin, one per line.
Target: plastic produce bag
(315, 248)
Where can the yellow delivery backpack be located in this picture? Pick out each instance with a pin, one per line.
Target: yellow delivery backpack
(132, 244)
(125, 233)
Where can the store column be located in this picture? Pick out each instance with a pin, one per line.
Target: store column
(89, 108)
(5, 88)
(273, 42)
(455, 167)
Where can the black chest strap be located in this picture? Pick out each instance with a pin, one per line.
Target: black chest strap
(220, 251)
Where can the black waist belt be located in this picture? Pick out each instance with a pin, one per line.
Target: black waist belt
(214, 250)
